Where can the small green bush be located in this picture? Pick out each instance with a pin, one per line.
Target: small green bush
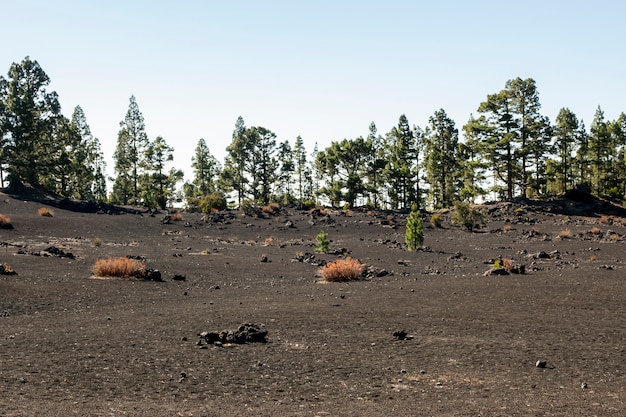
(414, 235)
(436, 219)
(322, 244)
(465, 215)
(212, 202)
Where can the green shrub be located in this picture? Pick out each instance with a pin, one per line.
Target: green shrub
(465, 215)
(436, 219)
(322, 244)
(212, 202)
(414, 235)
(250, 208)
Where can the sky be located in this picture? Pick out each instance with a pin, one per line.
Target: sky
(323, 70)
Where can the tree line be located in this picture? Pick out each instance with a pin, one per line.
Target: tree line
(509, 149)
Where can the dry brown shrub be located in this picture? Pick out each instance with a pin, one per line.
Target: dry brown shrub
(342, 270)
(615, 237)
(271, 208)
(565, 234)
(605, 219)
(119, 267)
(269, 241)
(4, 220)
(45, 212)
(507, 228)
(176, 216)
(596, 230)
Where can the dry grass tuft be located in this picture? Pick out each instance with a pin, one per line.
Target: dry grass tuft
(119, 267)
(5, 220)
(269, 241)
(342, 270)
(507, 228)
(596, 230)
(45, 212)
(605, 220)
(271, 208)
(565, 234)
(97, 242)
(615, 237)
(176, 216)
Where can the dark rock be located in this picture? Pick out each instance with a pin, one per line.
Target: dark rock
(152, 275)
(246, 333)
(402, 335)
(541, 364)
(54, 251)
(178, 277)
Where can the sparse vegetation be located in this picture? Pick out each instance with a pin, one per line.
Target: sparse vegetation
(414, 235)
(596, 230)
(565, 234)
(271, 208)
(5, 222)
(6, 269)
(322, 244)
(45, 212)
(605, 220)
(178, 216)
(436, 219)
(469, 217)
(342, 270)
(212, 203)
(119, 267)
(97, 242)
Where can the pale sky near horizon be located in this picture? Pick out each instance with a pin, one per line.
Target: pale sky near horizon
(323, 70)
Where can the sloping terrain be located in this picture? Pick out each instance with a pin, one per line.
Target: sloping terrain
(71, 344)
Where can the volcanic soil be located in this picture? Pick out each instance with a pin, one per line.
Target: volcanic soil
(425, 333)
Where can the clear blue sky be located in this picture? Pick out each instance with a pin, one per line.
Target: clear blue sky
(319, 69)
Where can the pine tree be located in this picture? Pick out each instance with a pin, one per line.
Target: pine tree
(205, 168)
(156, 183)
(402, 170)
(30, 115)
(565, 132)
(414, 235)
(233, 176)
(441, 159)
(300, 168)
(132, 141)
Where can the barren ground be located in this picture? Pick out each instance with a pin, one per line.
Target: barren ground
(74, 345)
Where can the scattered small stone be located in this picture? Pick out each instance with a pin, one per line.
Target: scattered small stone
(583, 385)
(264, 259)
(402, 335)
(541, 364)
(179, 277)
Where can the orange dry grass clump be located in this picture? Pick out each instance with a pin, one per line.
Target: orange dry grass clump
(119, 267)
(270, 208)
(342, 270)
(45, 211)
(4, 220)
(176, 216)
(565, 234)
